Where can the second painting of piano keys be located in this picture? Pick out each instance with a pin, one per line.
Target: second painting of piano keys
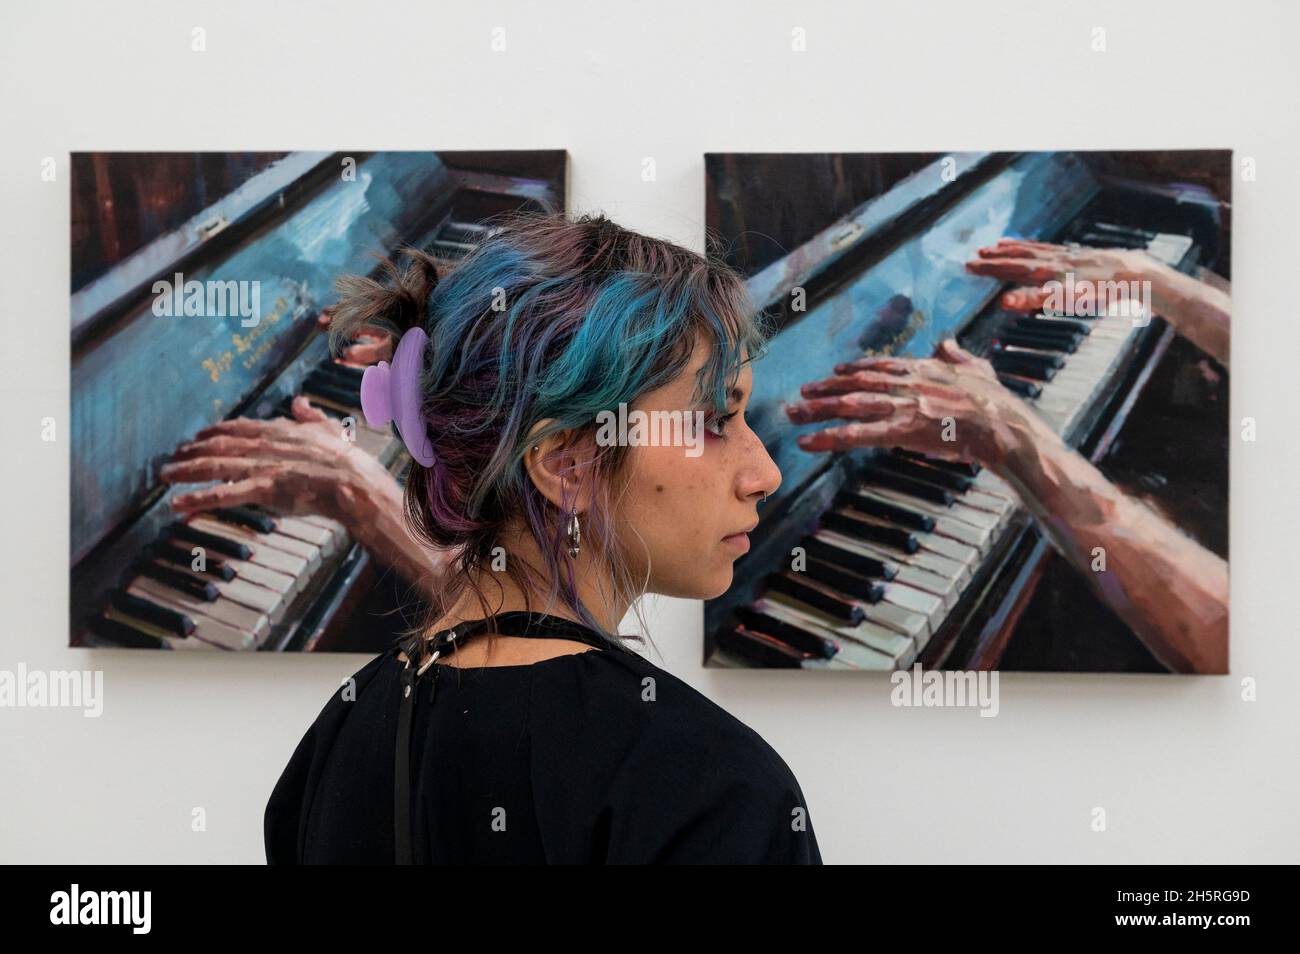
(996, 388)
(200, 283)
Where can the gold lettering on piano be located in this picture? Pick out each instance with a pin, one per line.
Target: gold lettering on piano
(244, 342)
(218, 365)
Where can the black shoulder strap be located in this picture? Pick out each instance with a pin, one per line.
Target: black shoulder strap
(545, 626)
(402, 770)
(538, 625)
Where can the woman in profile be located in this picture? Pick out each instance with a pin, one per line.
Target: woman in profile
(516, 725)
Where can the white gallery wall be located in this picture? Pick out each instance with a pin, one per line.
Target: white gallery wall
(1185, 768)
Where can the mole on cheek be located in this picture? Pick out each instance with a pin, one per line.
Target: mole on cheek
(659, 488)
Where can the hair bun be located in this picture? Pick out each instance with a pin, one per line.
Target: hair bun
(393, 306)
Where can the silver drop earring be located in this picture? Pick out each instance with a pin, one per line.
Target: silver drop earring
(575, 533)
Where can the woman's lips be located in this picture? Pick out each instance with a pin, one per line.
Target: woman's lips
(740, 541)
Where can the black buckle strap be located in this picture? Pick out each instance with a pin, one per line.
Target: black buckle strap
(538, 625)
(402, 771)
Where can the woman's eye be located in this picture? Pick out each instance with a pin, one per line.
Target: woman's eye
(720, 423)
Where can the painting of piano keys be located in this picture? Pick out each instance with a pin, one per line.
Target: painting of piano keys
(200, 285)
(997, 391)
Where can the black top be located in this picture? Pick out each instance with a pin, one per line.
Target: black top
(594, 757)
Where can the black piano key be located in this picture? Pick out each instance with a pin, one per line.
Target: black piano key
(860, 563)
(801, 589)
(894, 513)
(1023, 365)
(189, 585)
(957, 483)
(787, 633)
(848, 583)
(344, 397)
(1060, 344)
(125, 635)
(342, 375)
(1112, 240)
(328, 376)
(1130, 231)
(907, 485)
(1027, 388)
(285, 409)
(323, 388)
(1054, 361)
(1054, 326)
(169, 552)
(759, 648)
(862, 529)
(349, 371)
(149, 612)
(964, 467)
(210, 541)
(1043, 342)
(244, 517)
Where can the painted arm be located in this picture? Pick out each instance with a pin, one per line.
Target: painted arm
(1169, 589)
(1198, 310)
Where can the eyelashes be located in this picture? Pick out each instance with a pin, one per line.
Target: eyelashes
(720, 422)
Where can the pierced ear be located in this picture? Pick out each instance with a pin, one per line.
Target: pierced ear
(560, 467)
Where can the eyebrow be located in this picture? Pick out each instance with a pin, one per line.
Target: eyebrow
(736, 394)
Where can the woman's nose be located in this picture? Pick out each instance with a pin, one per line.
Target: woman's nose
(763, 477)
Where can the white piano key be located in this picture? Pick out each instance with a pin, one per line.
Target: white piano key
(283, 583)
(915, 626)
(262, 554)
(268, 602)
(299, 529)
(279, 541)
(932, 573)
(845, 542)
(242, 618)
(935, 608)
(990, 483)
(899, 650)
(980, 519)
(171, 639)
(948, 588)
(206, 629)
(968, 556)
(981, 501)
(953, 529)
(328, 523)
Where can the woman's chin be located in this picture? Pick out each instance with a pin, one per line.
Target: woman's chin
(708, 587)
(716, 584)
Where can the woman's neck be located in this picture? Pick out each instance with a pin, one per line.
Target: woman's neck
(504, 594)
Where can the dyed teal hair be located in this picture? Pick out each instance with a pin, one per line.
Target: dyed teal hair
(547, 319)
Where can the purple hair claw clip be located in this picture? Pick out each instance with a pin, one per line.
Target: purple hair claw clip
(392, 394)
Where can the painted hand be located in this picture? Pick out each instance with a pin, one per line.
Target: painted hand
(299, 466)
(1033, 264)
(950, 406)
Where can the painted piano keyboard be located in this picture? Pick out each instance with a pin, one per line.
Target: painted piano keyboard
(267, 581)
(882, 553)
(260, 570)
